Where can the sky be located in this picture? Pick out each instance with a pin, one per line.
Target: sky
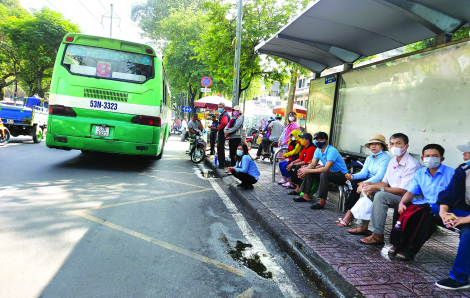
(89, 21)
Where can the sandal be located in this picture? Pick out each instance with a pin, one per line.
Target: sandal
(359, 231)
(293, 193)
(393, 251)
(344, 224)
(404, 257)
(372, 240)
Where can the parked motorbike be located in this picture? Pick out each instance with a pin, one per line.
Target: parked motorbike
(196, 151)
(4, 134)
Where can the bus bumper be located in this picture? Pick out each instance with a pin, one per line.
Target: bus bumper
(100, 145)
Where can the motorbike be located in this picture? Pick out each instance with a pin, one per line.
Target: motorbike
(196, 151)
(4, 134)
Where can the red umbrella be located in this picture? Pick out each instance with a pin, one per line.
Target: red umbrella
(212, 103)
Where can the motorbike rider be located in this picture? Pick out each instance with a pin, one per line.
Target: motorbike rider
(195, 126)
(4, 134)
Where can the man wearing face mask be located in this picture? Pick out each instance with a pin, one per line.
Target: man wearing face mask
(333, 170)
(224, 118)
(275, 128)
(234, 132)
(428, 182)
(455, 212)
(388, 192)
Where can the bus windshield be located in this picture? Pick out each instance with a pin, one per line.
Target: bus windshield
(108, 64)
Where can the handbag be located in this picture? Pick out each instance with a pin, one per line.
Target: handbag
(363, 208)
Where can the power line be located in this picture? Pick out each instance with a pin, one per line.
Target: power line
(52, 5)
(103, 5)
(91, 14)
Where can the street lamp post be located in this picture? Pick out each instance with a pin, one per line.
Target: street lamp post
(236, 77)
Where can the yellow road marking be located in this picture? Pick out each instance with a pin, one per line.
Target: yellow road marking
(168, 180)
(247, 294)
(160, 243)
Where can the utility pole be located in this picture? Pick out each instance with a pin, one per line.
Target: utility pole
(236, 79)
(111, 23)
(112, 16)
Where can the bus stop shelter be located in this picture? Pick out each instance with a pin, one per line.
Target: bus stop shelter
(334, 32)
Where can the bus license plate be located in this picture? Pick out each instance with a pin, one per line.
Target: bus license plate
(10, 121)
(102, 131)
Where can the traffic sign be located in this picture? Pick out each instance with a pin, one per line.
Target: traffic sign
(205, 90)
(187, 109)
(206, 81)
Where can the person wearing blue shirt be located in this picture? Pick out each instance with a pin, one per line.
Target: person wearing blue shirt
(425, 187)
(333, 170)
(245, 169)
(373, 171)
(454, 211)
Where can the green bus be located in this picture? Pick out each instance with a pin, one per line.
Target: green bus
(108, 95)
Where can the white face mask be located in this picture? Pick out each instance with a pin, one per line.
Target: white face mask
(431, 162)
(293, 138)
(291, 118)
(397, 151)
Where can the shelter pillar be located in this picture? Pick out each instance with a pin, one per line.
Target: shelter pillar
(443, 38)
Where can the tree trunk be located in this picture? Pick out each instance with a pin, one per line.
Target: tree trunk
(290, 97)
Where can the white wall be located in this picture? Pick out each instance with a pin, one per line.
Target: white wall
(425, 96)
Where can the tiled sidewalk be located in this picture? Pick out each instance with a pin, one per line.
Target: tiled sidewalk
(368, 268)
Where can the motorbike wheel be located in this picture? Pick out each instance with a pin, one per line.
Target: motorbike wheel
(197, 154)
(4, 137)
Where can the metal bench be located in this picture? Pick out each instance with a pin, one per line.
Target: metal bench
(278, 154)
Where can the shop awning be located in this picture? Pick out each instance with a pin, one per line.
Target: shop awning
(335, 32)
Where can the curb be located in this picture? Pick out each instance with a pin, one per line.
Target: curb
(326, 278)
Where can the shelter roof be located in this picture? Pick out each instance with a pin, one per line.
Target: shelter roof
(334, 32)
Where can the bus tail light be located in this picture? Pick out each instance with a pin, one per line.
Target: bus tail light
(147, 120)
(59, 110)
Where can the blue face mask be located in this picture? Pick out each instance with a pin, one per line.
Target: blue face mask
(468, 162)
(378, 153)
(239, 152)
(220, 110)
(320, 145)
(315, 143)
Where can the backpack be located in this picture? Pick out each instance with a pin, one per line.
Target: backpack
(408, 225)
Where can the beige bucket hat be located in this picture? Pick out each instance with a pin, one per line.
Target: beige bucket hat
(377, 139)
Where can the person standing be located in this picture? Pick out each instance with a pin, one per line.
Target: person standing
(213, 134)
(224, 118)
(293, 125)
(234, 132)
(184, 127)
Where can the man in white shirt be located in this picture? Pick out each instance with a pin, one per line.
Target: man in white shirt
(184, 127)
(388, 193)
(276, 127)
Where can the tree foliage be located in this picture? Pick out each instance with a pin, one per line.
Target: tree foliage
(261, 19)
(35, 40)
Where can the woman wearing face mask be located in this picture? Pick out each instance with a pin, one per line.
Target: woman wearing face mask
(293, 125)
(246, 169)
(373, 171)
(294, 150)
(234, 130)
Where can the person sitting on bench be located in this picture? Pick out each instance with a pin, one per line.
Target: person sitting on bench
(455, 212)
(427, 183)
(388, 193)
(304, 159)
(373, 171)
(333, 170)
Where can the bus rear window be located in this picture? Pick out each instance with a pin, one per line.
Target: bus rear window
(108, 64)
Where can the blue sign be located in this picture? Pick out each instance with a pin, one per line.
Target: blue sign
(186, 109)
(330, 79)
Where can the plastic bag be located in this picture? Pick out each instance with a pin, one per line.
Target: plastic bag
(259, 139)
(362, 208)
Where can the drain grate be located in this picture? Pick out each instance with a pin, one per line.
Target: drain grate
(105, 95)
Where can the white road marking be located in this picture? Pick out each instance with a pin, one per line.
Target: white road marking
(7, 190)
(287, 287)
